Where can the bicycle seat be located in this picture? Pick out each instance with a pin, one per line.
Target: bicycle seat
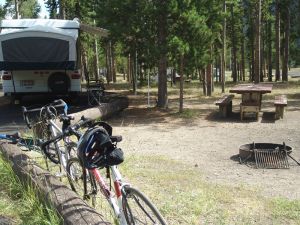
(117, 138)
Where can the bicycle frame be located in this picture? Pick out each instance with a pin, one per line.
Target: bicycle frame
(114, 201)
(55, 130)
(62, 153)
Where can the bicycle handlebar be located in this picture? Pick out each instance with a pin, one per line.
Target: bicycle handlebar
(71, 130)
(59, 103)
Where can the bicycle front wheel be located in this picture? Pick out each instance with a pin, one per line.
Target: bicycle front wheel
(81, 181)
(138, 209)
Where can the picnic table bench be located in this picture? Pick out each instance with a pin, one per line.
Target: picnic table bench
(280, 102)
(225, 105)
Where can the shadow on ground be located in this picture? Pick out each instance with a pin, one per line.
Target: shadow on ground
(11, 118)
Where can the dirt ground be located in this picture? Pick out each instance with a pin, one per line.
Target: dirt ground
(210, 144)
(204, 141)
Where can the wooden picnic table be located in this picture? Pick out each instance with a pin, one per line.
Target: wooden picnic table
(251, 96)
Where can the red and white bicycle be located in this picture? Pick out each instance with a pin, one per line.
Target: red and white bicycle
(127, 205)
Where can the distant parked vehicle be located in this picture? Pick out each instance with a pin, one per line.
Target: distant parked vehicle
(39, 56)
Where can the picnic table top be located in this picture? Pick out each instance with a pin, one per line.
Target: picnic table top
(250, 88)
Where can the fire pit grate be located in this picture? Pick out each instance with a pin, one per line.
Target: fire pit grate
(266, 155)
(271, 159)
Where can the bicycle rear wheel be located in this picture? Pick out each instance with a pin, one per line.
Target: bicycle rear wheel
(138, 209)
(81, 181)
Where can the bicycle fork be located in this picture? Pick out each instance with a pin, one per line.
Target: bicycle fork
(62, 154)
(116, 203)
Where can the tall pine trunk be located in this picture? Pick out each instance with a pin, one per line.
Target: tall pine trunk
(243, 59)
(258, 43)
(209, 79)
(62, 9)
(285, 65)
(234, 48)
(181, 84)
(17, 16)
(113, 64)
(223, 57)
(277, 41)
(162, 101)
(269, 38)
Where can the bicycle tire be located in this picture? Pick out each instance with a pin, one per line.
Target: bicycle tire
(51, 153)
(138, 209)
(81, 181)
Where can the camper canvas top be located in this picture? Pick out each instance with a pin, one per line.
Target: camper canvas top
(31, 44)
(25, 23)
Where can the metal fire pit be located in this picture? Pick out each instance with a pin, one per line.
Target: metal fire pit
(266, 155)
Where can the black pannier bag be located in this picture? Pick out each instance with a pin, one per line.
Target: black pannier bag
(111, 155)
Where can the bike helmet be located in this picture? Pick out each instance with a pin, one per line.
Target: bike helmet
(95, 149)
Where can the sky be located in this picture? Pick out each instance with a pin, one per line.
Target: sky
(43, 12)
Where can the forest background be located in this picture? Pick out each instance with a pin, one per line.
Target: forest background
(257, 40)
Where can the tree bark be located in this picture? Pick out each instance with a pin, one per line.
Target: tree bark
(108, 67)
(277, 41)
(17, 16)
(258, 44)
(234, 61)
(286, 44)
(204, 81)
(129, 69)
(223, 58)
(162, 101)
(209, 79)
(270, 77)
(113, 63)
(181, 84)
(62, 9)
(243, 59)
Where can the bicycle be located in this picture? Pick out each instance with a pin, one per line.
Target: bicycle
(129, 205)
(46, 127)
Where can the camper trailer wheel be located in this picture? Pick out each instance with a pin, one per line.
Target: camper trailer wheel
(59, 83)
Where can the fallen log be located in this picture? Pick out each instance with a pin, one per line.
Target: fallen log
(72, 208)
(104, 110)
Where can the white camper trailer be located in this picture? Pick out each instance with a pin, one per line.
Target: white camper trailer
(39, 56)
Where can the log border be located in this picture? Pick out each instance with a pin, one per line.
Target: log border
(70, 207)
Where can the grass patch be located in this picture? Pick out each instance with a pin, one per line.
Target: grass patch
(183, 197)
(20, 204)
(284, 208)
(188, 114)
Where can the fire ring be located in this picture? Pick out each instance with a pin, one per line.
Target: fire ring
(266, 155)
(247, 151)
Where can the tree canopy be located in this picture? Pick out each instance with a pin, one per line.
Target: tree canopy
(156, 34)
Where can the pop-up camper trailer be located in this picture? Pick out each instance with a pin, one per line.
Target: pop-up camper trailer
(39, 56)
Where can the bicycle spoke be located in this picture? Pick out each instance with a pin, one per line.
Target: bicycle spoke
(139, 210)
